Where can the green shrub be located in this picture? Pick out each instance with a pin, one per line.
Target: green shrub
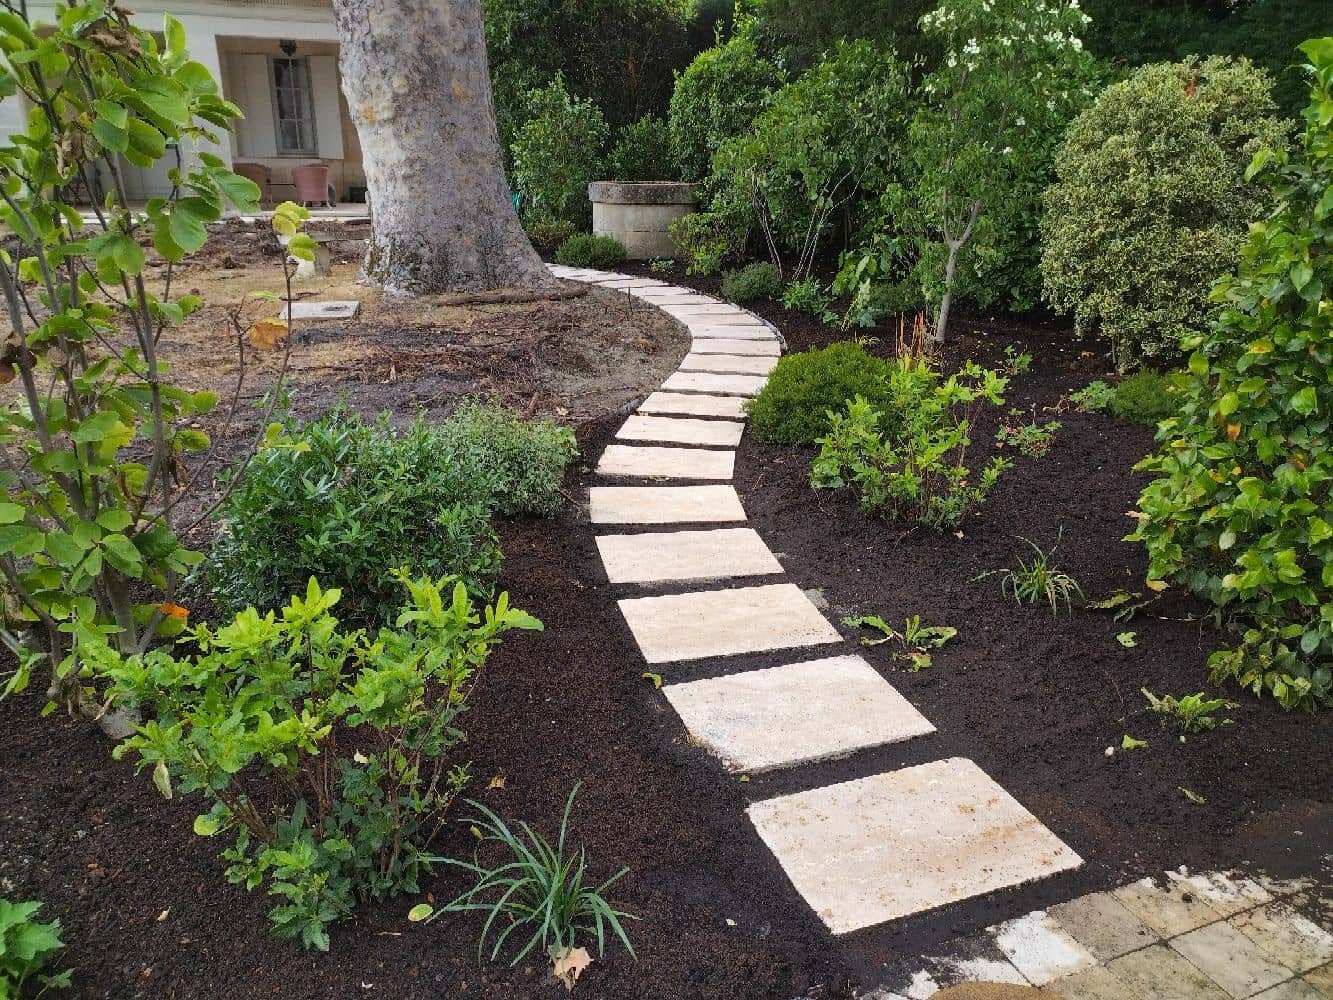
(587, 250)
(1150, 202)
(331, 755)
(556, 152)
(806, 295)
(1241, 507)
(906, 461)
(546, 231)
(760, 280)
(717, 97)
(796, 403)
(1146, 397)
(642, 152)
(27, 947)
(707, 241)
(349, 502)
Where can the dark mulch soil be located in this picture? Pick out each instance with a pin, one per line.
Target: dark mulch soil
(1035, 701)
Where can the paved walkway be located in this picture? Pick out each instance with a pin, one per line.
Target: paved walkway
(860, 852)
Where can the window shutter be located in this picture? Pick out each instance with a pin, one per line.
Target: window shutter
(254, 93)
(324, 95)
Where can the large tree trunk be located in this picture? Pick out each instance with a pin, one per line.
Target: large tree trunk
(419, 91)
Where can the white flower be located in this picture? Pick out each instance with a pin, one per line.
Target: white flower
(1077, 42)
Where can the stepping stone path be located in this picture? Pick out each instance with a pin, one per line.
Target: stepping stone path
(860, 852)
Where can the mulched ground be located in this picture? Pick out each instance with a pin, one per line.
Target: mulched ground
(1034, 701)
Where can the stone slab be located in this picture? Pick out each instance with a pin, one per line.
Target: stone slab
(1040, 948)
(1321, 979)
(1166, 908)
(725, 622)
(1230, 959)
(724, 345)
(733, 331)
(1292, 989)
(794, 714)
(663, 504)
(681, 430)
(1287, 935)
(1162, 974)
(1222, 892)
(657, 557)
(709, 307)
(693, 404)
(331, 309)
(1097, 983)
(880, 848)
(665, 463)
(709, 382)
(1103, 925)
(732, 363)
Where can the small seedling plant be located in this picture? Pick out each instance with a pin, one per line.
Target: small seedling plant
(1031, 439)
(540, 894)
(1016, 362)
(1093, 397)
(1037, 580)
(27, 948)
(915, 639)
(1192, 713)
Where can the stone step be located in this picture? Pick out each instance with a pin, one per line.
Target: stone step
(725, 622)
(723, 345)
(706, 329)
(660, 557)
(663, 504)
(730, 363)
(709, 382)
(665, 463)
(795, 714)
(884, 847)
(693, 405)
(681, 430)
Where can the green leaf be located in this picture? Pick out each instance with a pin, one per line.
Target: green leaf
(1305, 402)
(162, 779)
(206, 824)
(11, 513)
(420, 912)
(1127, 639)
(1128, 742)
(116, 139)
(187, 231)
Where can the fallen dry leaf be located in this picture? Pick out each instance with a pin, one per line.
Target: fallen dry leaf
(569, 965)
(497, 782)
(268, 334)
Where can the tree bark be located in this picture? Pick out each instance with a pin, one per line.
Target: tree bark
(419, 92)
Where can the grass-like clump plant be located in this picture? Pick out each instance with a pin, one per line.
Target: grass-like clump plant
(1037, 580)
(914, 639)
(1192, 713)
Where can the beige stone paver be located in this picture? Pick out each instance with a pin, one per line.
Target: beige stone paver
(1321, 979)
(726, 385)
(1040, 948)
(1292, 989)
(1103, 925)
(681, 430)
(736, 345)
(1287, 935)
(725, 622)
(879, 848)
(663, 504)
(705, 329)
(1224, 893)
(666, 463)
(1097, 983)
(1166, 908)
(1231, 959)
(1162, 974)
(658, 557)
(744, 364)
(794, 714)
(694, 404)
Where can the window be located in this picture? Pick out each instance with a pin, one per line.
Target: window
(292, 113)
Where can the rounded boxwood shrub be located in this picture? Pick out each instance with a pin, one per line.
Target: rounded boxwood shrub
(794, 406)
(1146, 397)
(1150, 202)
(587, 250)
(760, 280)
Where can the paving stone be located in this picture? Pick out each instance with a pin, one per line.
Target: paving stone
(666, 463)
(725, 622)
(1158, 973)
(330, 309)
(726, 385)
(879, 848)
(794, 714)
(736, 345)
(1224, 893)
(1103, 925)
(1284, 886)
(1292, 989)
(1097, 983)
(681, 430)
(686, 555)
(1287, 935)
(693, 404)
(990, 991)
(1230, 959)
(663, 504)
(709, 307)
(1040, 948)
(1321, 979)
(1167, 909)
(705, 329)
(744, 364)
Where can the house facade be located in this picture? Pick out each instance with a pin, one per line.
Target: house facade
(278, 61)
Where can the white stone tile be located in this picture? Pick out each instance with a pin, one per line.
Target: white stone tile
(1040, 948)
(1287, 935)
(663, 504)
(743, 364)
(1158, 973)
(1230, 959)
(725, 385)
(681, 430)
(706, 329)
(1224, 893)
(1166, 908)
(884, 847)
(711, 554)
(1103, 925)
(1292, 989)
(708, 308)
(1097, 983)
(693, 404)
(725, 622)
(734, 345)
(328, 309)
(762, 719)
(665, 463)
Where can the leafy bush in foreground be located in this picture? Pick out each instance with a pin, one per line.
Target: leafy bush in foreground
(760, 280)
(330, 754)
(586, 250)
(795, 405)
(1241, 509)
(28, 946)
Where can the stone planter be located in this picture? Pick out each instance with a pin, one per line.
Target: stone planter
(640, 213)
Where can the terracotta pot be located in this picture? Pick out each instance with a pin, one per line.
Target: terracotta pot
(312, 184)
